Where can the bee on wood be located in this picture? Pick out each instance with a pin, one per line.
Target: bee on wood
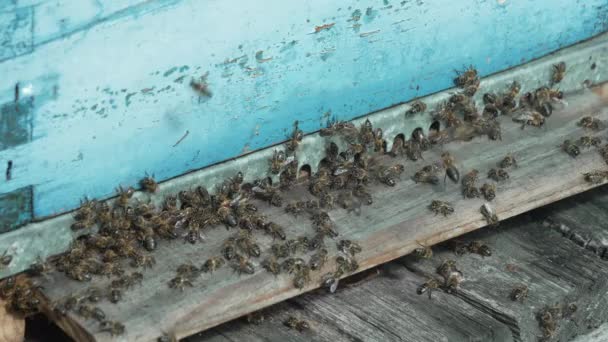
(363, 195)
(587, 141)
(243, 265)
(429, 286)
(416, 107)
(419, 137)
(115, 296)
(398, 147)
(478, 247)
(295, 208)
(346, 130)
(317, 242)
(428, 174)
(111, 269)
(268, 194)
(490, 111)
(79, 272)
(324, 224)
(346, 264)
(366, 133)
(379, 142)
(200, 86)
(596, 176)
(445, 112)
(112, 327)
(318, 259)
(142, 260)
(5, 260)
(39, 268)
(489, 214)
(423, 252)
(180, 282)
(448, 163)
(212, 264)
(389, 174)
(330, 281)
(271, 265)
(280, 250)
(468, 184)
(530, 118)
(498, 175)
(349, 247)
(295, 139)
(458, 247)
(292, 265)
(488, 191)
(451, 274)
(519, 293)
(326, 200)
(559, 70)
(275, 230)
(591, 123)
(508, 161)
(93, 295)
(467, 77)
(548, 319)
(302, 277)
(570, 148)
(124, 195)
(277, 162)
(288, 176)
(441, 207)
(149, 184)
(296, 324)
(187, 271)
(245, 242)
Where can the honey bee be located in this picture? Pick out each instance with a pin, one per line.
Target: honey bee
(112, 327)
(296, 324)
(349, 247)
(488, 191)
(79, 272)
(427, 175)
(243, 265)
(275, 230)
(591, 123)
(5, 260)
(467, 77)
(458, 247)
(271, 265)
(292, 265)
(149, 184)
(508, 161)
(366, 133)
(448, 163)
(587, 141)
(277, 162)
(212, 264)
(330, 281)
(302, 277)
(429, 286)
(530, 118)
(363, 195)
(389, 174)
(548, 319)
(398, 147)
(559, 70)
(519, 293)
(317, 242)
(451, 274)
(570, 148)
(441, 207)
(295, 139)
(180, 282)
(478, 247)
(346, 264)
(268, 194)
(416, 107)
(498, 175)
(288, 176)
(324, 224)
(379, 142)
(245, 242)
(326, 200)
(318, 259)
(39, 268)
(596, 176)
(280, 250)
(468, 184)
(142, 260)
(124, 195)
(295, 208)
(489, 214)
(423, 252)
(115, 295)
(345, 129)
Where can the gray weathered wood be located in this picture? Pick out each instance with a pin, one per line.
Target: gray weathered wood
(384, 308)
(526, 252)
(393, 226)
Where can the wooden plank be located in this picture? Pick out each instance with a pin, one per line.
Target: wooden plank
(526, 252)
(136, 103)
(392, 226)
(384, 308)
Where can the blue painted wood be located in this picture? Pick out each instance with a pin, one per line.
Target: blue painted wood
(110, 82)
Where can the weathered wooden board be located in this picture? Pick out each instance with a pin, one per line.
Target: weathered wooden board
(393, 226)
(526, 252)
(113, 76)
(384, 308)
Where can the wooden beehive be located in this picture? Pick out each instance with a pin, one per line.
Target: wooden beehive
(129, 109)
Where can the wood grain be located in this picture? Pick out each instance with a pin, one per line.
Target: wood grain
(393, 226)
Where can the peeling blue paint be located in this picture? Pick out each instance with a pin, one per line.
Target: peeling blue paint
(367, 60)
